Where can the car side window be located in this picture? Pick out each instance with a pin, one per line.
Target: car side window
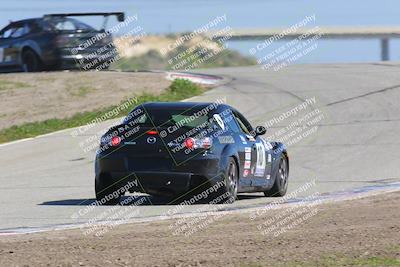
(46, 26)
(20, 30)
(27, 29)
(243, 123)
(229, 120)
(242, 126)
(33, 27)
(65, 25)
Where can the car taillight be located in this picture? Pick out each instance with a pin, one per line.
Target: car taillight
(196, 143)
(189, 142)
(152, 132)
(115, 141)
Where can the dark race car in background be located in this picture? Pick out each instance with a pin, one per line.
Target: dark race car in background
(180, 149)
(55, 41)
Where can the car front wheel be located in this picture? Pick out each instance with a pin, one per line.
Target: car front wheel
(30, 61)
(281, 179)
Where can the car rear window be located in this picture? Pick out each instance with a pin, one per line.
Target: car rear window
(70, 24)
(186, 121)
(167, 117)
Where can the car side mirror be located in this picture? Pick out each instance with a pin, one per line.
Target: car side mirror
(260, 130)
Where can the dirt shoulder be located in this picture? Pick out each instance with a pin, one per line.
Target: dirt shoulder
(31, 97)
(363, 232)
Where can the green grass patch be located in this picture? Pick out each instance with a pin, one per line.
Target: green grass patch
(8, 85)
(178, 90)
(375, 261)
(337, 261)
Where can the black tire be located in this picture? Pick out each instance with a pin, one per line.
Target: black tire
(102, 193)
(281, 179)
(228, 192)
(30, 61)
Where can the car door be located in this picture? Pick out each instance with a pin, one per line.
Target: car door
(242, 147)
(5, 46)
(11, 43)
(248, 152)
(258, 155)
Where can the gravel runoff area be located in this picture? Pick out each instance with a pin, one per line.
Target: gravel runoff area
(31, 97)
(361, 232)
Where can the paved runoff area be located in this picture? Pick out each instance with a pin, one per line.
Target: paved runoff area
(341, 124)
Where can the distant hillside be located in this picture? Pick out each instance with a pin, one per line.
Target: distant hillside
(161, 52)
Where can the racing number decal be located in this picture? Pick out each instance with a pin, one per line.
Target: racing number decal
(261, 161)
(268, 147)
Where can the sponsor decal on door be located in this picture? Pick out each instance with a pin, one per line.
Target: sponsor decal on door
(261, 161)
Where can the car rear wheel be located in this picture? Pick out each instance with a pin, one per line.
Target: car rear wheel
(30, 61)
(228, 192)
(106, 194)
(281, 179)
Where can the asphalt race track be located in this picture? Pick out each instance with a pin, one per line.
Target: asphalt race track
(356, 143)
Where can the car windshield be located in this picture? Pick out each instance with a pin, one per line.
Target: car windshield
(70, 24)
(167, 117)
(6, 33)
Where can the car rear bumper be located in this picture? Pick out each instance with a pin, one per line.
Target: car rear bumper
(75, 61)
(87, 59)
(160, 177)
(163, 183)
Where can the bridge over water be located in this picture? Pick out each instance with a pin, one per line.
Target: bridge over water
(384, 34)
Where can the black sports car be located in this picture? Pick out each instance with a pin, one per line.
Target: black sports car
(179, 149)
(55, 41)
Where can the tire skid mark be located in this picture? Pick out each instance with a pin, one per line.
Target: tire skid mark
(364, 95)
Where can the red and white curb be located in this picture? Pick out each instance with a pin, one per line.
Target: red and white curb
(195, 78)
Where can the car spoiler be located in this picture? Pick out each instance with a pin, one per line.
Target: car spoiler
(120, 15)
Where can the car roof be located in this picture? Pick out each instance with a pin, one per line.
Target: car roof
(24, 21)
(28, 20)
(182, 105)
